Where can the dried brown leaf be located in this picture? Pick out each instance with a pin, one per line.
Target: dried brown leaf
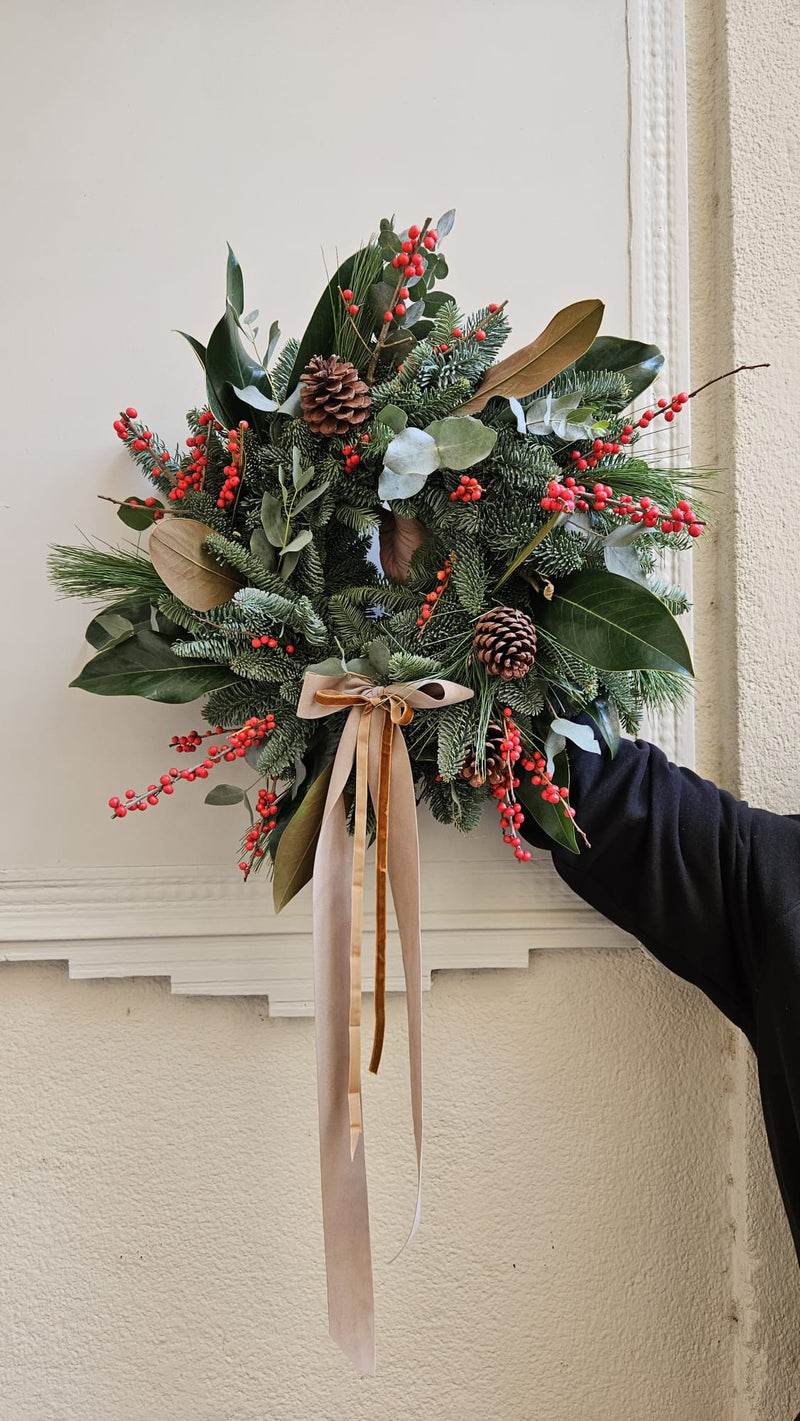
(191, 574)
(398, 539)
(568, 336)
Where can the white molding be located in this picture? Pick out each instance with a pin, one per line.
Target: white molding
(481, 909)
(659, 252)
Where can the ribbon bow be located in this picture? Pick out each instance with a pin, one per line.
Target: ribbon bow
(373, 740)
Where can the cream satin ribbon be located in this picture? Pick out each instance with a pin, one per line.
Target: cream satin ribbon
(373, 740)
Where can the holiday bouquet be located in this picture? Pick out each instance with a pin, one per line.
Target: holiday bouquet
(397, 566)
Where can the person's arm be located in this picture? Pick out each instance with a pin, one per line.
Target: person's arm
(671, 862)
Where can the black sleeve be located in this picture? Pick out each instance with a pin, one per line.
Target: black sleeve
(685, 867)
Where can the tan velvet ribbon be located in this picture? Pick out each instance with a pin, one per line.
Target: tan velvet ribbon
(371, 738)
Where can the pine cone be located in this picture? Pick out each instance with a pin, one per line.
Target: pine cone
(505, 641)
(333, 398)
(496, 760)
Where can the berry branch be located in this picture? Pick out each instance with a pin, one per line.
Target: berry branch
(409, 262)
(238, 743)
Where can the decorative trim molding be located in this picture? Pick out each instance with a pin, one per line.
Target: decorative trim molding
(480, 910)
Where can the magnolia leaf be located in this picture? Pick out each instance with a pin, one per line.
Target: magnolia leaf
(615, 625)
(197, 346)
(568, 335)
(582, 735)
(395, 418)
(228, 366)
(550, 817)
(606, 718)
(639, 363)
(107, 629)
(234, 283)
(261, 548)
(461, 441)
(398, 540)
(145, 665)
(297, 544)
(294, 859)
(251, 395)
(134, 514)
(224, 794)
(273, 519)
(444, 226)
(195, 577)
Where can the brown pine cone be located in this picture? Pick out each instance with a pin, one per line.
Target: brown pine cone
(333, 398)
(496, 760)
(505, 641)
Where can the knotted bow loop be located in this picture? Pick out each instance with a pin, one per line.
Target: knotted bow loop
(372, 738)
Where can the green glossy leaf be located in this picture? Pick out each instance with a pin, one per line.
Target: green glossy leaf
(581, 735)
(234, 283)
(605, 716)
(107, 629)
(145, 665)
(134, 514)
(460, 440)
(228, 366)
(550, 817)
(197, 346)
(224, 794)
(614, 624)
(320, 334)
(294, 859)
(639, 363)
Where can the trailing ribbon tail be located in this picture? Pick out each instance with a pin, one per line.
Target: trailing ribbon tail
(372, 740)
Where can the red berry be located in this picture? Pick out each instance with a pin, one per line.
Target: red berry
(662, 404)
(404, 294)
(695, 529)
(480, 335)
(457, 333)
(387, 316)
(400, 309)
(354, 310)
(407, 247)
(131, 412)
(669, 415)
(347, 295)
(492, 307)
(429, 243)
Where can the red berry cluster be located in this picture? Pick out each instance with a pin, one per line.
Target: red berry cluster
(352, 458)
(191, 477)
(477, 334)
(121, 424)
(254, 843)
(467, 491)
(508, 807)
(347, 297)
(669, 409)
(552, 794)
(599, 450)
(568, 496)
(233, 471)
(410, 261)
(238, 743)
(271, 642)
(442, 579)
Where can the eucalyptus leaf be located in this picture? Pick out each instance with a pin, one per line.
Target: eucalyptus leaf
(563, 416)
(519, 415)
(412, 452)
(413, 312)
(273, 519)
(250, 318)
(444, 226)
(292, 404)
(310, 497)
(379, 656)
(288, 563)
(614, 624)
(272, 341)
(300, 476)
(224, 794)
(553, 745)
(262, 548)
(395, 418)
(251, 395)
(298, 543)
(461, 441)
(331, 666)
(145, 665)
(394, 485)
(581, 735)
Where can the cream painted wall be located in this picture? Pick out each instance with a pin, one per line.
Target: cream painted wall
(160, 1241)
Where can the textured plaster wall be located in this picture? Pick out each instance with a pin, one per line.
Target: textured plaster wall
(160, 1233)
(745, 200)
